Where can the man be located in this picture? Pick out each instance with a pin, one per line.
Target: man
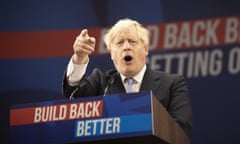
(128, 44)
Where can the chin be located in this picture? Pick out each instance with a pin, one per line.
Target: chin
(127, 69)
(129, 72)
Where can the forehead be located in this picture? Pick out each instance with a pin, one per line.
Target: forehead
(127, 32)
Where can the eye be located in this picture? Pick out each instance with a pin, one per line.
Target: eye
(132, 41)
(119, 42)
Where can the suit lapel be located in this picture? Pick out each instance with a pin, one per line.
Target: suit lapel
(117, 86)
(151, 81)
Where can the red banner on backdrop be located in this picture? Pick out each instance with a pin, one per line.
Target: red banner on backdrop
(163, 36)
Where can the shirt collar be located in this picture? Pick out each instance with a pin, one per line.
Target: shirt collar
(138, 77)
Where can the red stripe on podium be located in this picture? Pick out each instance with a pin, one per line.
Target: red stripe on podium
(21, 116)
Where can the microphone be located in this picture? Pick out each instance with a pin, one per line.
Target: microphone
(128, 58)
(72, 94)
(109, 83)
(76, 89)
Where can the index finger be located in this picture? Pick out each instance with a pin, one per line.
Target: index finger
(84, 33)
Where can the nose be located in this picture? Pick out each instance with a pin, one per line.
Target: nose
(126, 46)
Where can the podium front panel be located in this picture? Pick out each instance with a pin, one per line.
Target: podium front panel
(83, 120)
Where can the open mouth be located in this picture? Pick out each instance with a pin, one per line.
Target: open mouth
(128, 58)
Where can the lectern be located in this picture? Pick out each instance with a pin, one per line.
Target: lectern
(136, 118)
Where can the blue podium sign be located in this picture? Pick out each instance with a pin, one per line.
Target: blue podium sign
(83, 119)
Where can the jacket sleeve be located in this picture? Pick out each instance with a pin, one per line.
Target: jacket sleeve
(180, 106)
(91, 85)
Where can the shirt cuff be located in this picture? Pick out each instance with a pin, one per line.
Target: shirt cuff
(75, 72)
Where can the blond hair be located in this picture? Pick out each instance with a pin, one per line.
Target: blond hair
(142, 32)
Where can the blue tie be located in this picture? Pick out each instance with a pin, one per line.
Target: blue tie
(130, 82)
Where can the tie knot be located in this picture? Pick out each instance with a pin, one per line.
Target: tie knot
(130, 80)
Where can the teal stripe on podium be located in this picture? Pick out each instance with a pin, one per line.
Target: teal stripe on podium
(136, 123)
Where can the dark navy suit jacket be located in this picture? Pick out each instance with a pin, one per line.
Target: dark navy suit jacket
(170, 89)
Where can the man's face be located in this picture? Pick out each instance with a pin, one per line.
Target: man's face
(128, 52)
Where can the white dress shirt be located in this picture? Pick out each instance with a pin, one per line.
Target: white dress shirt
(75, 72)
(138, 78)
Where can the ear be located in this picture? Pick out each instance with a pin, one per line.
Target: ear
(146, 51)
(110, 54)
